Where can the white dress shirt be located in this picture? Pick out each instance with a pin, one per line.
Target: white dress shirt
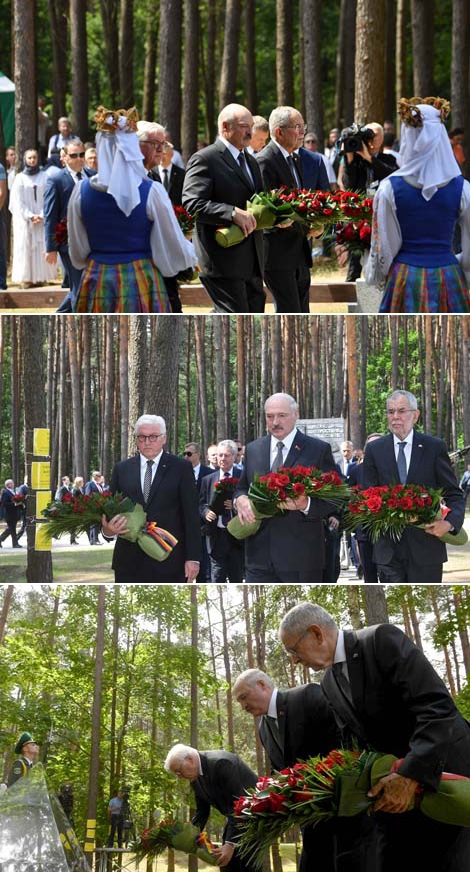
(143, 467)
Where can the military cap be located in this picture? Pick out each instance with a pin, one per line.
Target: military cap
(22, 741)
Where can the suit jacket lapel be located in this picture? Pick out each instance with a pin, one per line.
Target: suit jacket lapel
(234, 165)
(417, 456)
(158, 477)
(284, 171)
(293, 457)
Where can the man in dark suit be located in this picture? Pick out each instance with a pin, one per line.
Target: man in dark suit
(217, 778)
(225, 552)
(172, 177)
(9, 511)
(164, 485)
(94, 486)
(388, 697)
(288, 255)
(192, 453)
(59, 187)
(288, 548)
(419, 555)
(294, 724)
(313, 169)
(219, 180)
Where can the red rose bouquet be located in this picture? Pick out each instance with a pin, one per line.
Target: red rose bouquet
(174, 834)
(389, 509)
(185, 220)
(61, 232)
(268, 493)
(19, 499)
(223, 490)
(352, 206)
(323, 787)
(354, 237)
(269, 208)
(76, 514)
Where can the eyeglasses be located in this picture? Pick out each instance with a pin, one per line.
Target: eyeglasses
(400, 412)
(310, 141)
(158, 146)
(293, 651)
(152, 438)
(188, 453)
(295, 126)
(76, 154)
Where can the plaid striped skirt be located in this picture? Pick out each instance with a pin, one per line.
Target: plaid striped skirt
(122, 287)
(423, 289)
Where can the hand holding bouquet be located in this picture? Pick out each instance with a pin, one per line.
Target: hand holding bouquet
(389, 509)
(268, 494)
(223, 490)
(174, 834)
(76, 514)
(185, 220)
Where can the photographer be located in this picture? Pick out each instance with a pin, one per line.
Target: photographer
(362, 168)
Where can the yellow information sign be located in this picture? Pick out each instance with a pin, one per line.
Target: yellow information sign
(42, 542)
(42, 441)
(41, 475)
(42, 500)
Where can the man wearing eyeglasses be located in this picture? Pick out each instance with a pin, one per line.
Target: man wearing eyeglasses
(151, 140)
(57, 193)
(407, 456)
(288, 255)
(164, 485)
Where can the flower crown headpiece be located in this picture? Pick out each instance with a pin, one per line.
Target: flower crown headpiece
(411, 115)
(124, 120)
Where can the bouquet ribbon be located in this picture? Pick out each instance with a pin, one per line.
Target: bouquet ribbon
(450, 804)
(155, 541)
(189, 840)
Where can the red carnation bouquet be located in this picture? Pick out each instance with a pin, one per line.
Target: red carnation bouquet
(76, 514)
(335, 785)
(173, 834)
(268, 493)
(389, 509)
(185, 220)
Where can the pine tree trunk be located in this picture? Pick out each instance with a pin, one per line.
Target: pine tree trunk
(137, 373)
(162, 378)
(389, 45)
(460, 69)
(148, 100)
(25, 75)
(109, 17)
(312, 66)
(284, 52)
(58, 19)
(250, 64)
(370, 68)
(400, 58)
(79, 84)
(191, 79)
(422, 25)
(77, 429)
(126, 54)
(345, 60)
(94, 770)
(169, 67)
(229, 67)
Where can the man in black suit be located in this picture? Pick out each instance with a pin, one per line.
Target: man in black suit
(172, 178)
(419, 555)
(388, 697)
(57, 193)
(288, 255)
(288, 548)
(192, 453)
(9, 511)
(294, 724)
(225, 552)
(217, 778)
(219, 180)
(164, 485)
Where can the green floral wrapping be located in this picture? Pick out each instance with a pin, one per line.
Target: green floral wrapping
(450, 804)
(155, 541)
(243, 531)
(186, 841)
(460, 538)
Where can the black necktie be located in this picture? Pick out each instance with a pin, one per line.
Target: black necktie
(147, 480)
(226, 513)
(278, 460)
(166, 183)
(401, 462)
(273, 730)
(342, 681)
(293, 170)
(79, 176)
(244, 168)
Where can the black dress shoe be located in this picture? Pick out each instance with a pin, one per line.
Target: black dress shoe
(17, 546)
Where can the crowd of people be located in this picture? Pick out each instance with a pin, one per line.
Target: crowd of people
(122, 249)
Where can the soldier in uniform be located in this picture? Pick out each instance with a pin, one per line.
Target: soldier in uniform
(28, 750)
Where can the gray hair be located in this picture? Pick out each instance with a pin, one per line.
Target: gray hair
(302, 616)
(412, 401)
(151, 421)
(280, 117)
(292, 402)
(195, 445)
(75, 143)
(177, 755)
(146, 127)
(230, 444)
(229, 114)
(346, 444)
(250, 677)
(260, 123)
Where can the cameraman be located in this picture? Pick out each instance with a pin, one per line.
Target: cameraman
(363, 166)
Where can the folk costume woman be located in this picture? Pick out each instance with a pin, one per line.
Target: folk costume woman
(121, 226)
(415, 213)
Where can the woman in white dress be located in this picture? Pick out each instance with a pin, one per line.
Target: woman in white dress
(26, 205)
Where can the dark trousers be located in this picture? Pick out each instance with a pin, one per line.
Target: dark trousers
(354, 267)
(116, 825)
(290, 289)
(270, 575)
(74, 275)
(400, 572)
(430, 845)
(3, 259)
(226, 559)
(235, 295)
(10, 531)
(171, 286)
(332, 567)
(367, 560)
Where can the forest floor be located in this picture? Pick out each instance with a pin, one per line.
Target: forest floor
(86, 564)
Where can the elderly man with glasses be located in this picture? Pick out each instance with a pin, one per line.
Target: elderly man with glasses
(288, 255)
(408, 456)
(164, 485)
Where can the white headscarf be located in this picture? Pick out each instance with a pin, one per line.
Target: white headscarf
(426, 153)
(120, 167)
